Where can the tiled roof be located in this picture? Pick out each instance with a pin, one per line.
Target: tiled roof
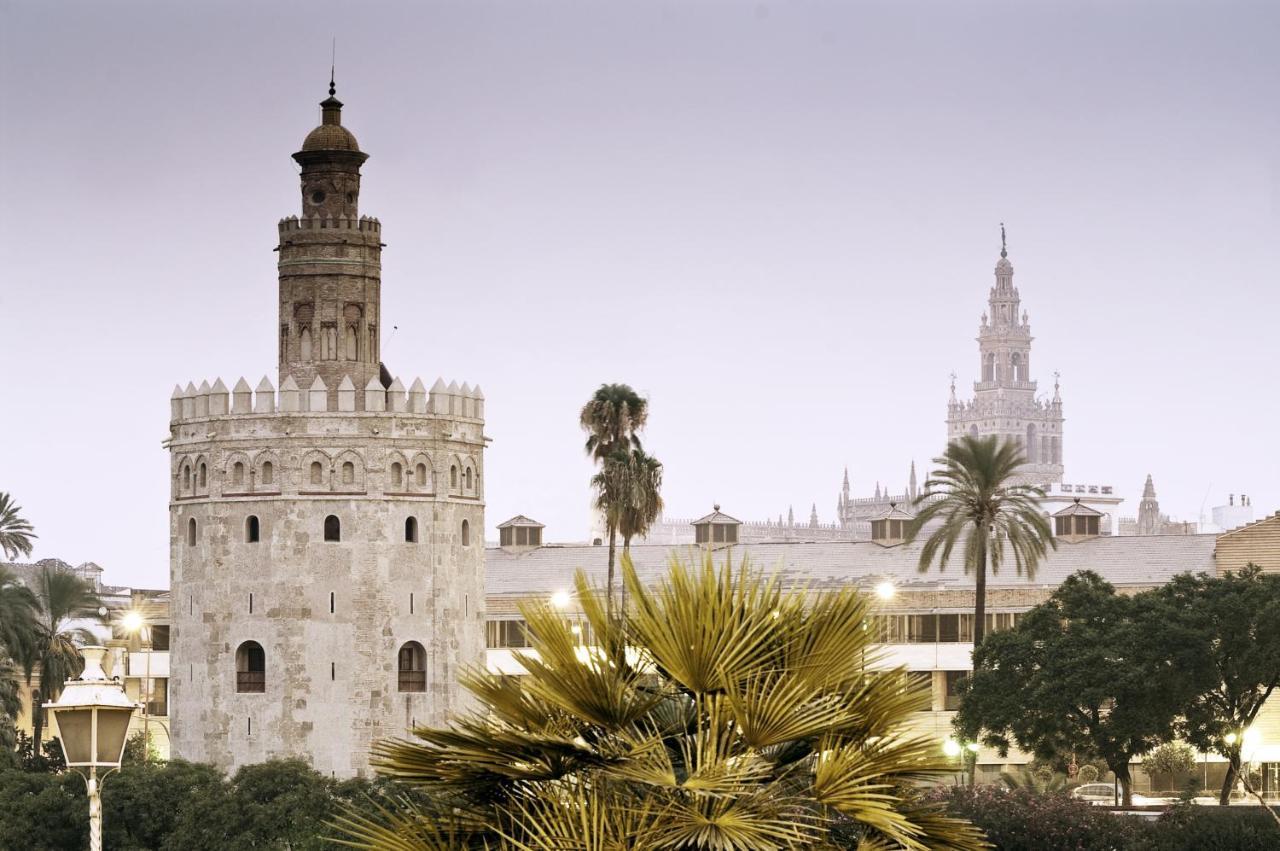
(892, 512)
(1123, 561)
(520, 520)
(716, 516)
(1077, 508)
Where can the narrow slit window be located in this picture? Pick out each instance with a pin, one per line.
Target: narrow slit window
(191, 532)
(466, 533)
(332, 603)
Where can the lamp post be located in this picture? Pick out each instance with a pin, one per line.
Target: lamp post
(92, 715)
(135, 622)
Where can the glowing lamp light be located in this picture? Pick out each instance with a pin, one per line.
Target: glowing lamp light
(561, 599)
(886, 590)
(132, 621)
(973, 747)
(951, 748)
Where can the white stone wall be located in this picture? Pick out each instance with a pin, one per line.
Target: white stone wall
(331, 676)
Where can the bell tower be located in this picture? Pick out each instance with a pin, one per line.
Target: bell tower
(330, 267)
(1004, 399)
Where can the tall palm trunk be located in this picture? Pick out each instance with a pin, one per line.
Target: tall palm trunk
(37, 722)
(980, 593)
(613, 548)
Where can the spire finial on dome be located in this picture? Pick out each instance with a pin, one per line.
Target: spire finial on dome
(333, 63)
(1004, 250)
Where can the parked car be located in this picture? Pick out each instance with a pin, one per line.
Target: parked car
(1105, 795)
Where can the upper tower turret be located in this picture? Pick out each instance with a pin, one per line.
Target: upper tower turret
(330, 160)
(330, 266)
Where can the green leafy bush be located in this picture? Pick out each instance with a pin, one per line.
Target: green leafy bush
(1023, 820)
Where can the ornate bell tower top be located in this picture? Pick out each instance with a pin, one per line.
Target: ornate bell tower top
(1004, 338)
(330, 267)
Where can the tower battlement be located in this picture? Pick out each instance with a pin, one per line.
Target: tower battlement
(366, 224)
(209, 401)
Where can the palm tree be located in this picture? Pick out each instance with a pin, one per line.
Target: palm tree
(749, 724)
(61, 597)
(612, 419)
(18, 610)
(628, 494)
(16, 534)
(976, 496)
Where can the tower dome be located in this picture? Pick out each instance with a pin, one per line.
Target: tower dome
(331, 137)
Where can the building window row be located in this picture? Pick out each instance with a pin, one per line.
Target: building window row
(251, 668)
(332, 530)
(936, 628)
(345, 471)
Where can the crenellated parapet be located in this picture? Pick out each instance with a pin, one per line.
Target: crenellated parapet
(364, 224)
(205, 401)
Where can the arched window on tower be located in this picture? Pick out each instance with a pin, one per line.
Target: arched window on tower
(411, 530)
(349, 343)
(237, 473)
(1019, 374)
(466, 533)
(317, 473)
(268, 473)
(420, 475)
(469, 479)
(348, 473)
(304, 344)
(251, 529)
(203, 476)
(191, 532)
(397, 473)
(453, 475)
(412, 668)
(186, 477)
(332, 528)
(251, 668)
(989, 368)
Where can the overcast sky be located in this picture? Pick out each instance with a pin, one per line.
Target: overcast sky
(776, 220)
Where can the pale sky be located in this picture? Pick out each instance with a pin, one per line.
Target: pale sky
(776, 220)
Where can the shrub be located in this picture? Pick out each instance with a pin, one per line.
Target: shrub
(1192, 828)
(1088, 773)
(1022, 820)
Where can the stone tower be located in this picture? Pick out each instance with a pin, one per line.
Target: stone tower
(1004, 401)
(1149, 520)
(327, 539)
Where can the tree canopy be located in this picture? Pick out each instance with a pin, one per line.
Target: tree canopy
(1079, 673)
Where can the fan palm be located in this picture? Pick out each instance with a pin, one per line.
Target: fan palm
(612, 419)
(61, 598)
(628, 495)
(739, 718)
(16, 534)
(976, 495)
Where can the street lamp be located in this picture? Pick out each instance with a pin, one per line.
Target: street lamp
(134, 622)
(92, 716)
(886, 590)
(561, 599)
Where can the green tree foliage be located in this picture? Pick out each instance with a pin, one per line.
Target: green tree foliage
(1172, 758)
(983, 508)
(177, 806)
(724, 713)
(61, 597)
(1077, 674)
(18, 630)
(1232, 622)
(16, 534)
(613, 418)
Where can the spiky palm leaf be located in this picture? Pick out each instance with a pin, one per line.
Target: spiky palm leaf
(979, 503)
(16, 534)
(725, 713)
(61, 597)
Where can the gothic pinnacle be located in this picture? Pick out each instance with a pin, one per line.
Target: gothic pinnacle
(1004, 251)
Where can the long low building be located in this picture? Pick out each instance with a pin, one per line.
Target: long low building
(925, 619)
